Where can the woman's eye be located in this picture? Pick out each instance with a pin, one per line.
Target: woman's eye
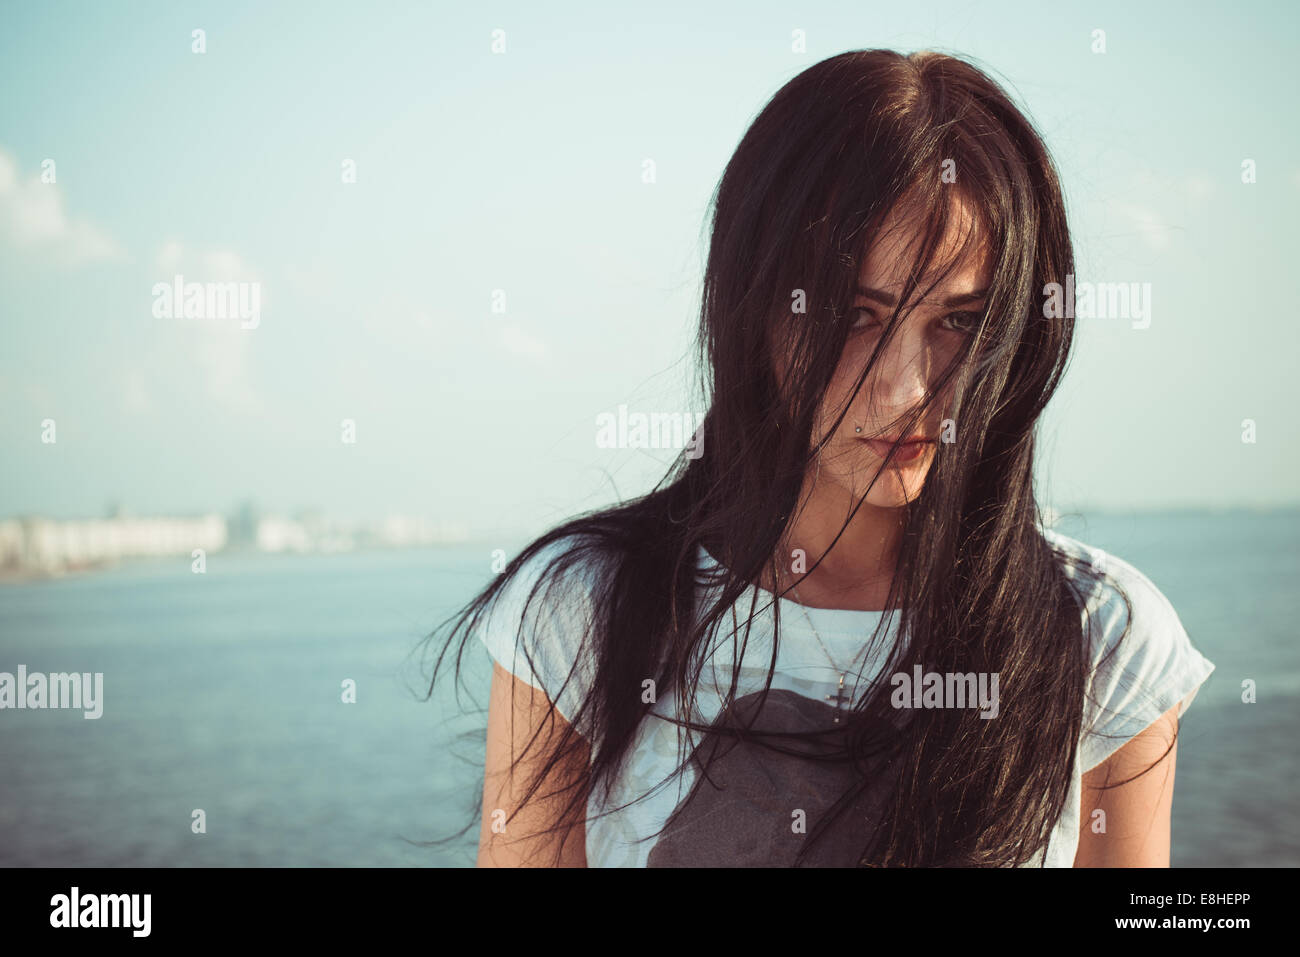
(962, 321)
(965, 322)
(866, 318)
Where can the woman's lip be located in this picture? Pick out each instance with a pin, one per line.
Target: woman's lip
(907, 451)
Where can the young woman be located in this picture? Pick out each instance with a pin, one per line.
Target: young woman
(841, 635)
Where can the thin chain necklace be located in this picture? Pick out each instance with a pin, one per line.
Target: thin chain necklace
(840, 696)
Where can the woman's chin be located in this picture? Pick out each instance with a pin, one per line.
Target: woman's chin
(893, 491)
(888, 501)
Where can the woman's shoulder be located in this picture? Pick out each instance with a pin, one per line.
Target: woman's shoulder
(1109, 585)
(562, 570)
(539, 620)
(1143, 662)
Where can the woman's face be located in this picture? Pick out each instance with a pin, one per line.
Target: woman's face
(930, 337)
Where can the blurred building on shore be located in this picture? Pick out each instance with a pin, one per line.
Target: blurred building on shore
(40, 546)
(48, 546)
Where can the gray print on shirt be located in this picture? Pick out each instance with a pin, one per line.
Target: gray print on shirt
(741, 814)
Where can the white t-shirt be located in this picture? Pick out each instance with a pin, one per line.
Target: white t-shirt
(743, 815)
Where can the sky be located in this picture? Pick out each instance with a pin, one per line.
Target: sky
(500, 273)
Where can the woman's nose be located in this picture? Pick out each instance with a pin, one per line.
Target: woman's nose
(902, 372)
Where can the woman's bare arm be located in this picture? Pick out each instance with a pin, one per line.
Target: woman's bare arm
(516, 710)
(1137, 814)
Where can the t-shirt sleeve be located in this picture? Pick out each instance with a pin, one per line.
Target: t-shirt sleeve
(551, 649)
(1154, 668)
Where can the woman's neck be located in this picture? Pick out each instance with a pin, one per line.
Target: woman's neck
(857, 570)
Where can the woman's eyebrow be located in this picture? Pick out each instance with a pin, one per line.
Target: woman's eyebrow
(885, 299)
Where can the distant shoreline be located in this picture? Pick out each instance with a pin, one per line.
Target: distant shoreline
(20, 575)
(11, 574)
(23, 576)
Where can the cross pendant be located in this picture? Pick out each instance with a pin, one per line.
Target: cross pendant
(839, 698)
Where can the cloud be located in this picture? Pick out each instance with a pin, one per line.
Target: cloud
(1198, 186)
(135, 393)
(1163, 202)
(515, 340)
(211, 265)
(1149, 224)
(33, 219)
(220, 348)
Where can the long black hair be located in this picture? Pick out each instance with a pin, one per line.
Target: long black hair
(977, 587)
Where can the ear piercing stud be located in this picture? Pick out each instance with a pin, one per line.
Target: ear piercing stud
(858, 429)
